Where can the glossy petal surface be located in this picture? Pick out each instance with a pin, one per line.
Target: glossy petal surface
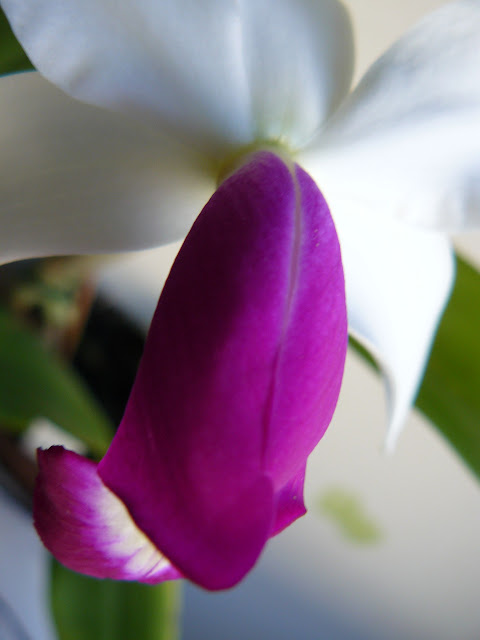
(86, 526)
(240, 375)
(219, 73)
(77, 179)
(407, 140)
(398, 282)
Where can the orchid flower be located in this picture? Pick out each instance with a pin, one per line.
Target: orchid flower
(244, 359)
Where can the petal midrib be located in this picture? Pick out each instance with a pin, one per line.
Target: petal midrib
(289, 299)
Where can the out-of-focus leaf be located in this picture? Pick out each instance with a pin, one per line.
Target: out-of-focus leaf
(34, 383)
(89, 609)
(346, 511)
(12, 56)
(450, 393)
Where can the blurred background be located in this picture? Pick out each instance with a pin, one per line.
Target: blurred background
(389, 548)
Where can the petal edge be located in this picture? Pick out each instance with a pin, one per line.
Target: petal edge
(86, 526)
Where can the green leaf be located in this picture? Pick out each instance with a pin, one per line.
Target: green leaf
(89, 609)
(12, 56)
(34, 383)
(450, 393)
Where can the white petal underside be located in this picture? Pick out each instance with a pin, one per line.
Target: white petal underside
(299, 63)
(78, 179)
(398, 281)
(406, 143)
(218, 73)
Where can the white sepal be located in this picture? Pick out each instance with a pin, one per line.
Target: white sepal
(78, 179)
(218, 73)
(398, 282)
(407, 140)
(299, 63)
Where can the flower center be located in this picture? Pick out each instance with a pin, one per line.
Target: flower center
(242, 156)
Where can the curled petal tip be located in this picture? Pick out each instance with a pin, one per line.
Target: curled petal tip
(87, 527)
(290, 505)
(391, 440)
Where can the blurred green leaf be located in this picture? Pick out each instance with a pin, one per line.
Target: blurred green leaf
(34, 383)
(450, 393)
(89, 609)
(12, 56)
(346, 511)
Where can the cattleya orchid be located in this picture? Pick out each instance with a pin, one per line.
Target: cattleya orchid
(244, 359)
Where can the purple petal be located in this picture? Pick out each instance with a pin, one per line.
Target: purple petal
(87, 527)
(311, 357)
(290, 505)
(240, 374)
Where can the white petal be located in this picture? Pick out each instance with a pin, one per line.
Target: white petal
(299, 63)
(217, 72)
(180, 60)
(77, 179)
(407, 141)
(133, 282)
(398, 281)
